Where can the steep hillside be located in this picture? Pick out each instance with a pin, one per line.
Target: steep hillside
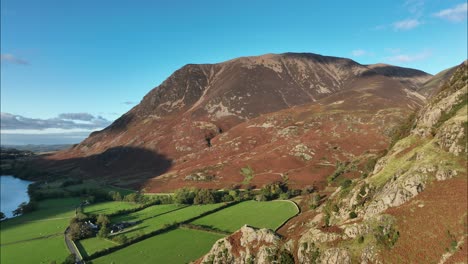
(432, 86)
(410, 209)
(206, 122)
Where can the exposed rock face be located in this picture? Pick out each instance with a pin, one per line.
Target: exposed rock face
(248, 245)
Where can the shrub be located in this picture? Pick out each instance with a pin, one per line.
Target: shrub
(286, 258)
(284, 196)
(346, 184)
(353, 215)
(361, 239)
(70, 259)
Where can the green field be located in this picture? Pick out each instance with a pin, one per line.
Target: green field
(155, 217)
(35, 251)
(177, 246)
(91, 245)
(108, 207)
(257, 214)
(37, 237)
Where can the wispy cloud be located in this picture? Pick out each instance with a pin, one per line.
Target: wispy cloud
(415, 7)
(455, 14)
(10, 58)
(406, 24)
(76, 116)
(129, 102)
(406, 58)
(358, 52)
(65, 121)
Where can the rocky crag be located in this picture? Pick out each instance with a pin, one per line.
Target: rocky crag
(411, 208)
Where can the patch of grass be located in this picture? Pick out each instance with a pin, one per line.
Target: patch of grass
(35, 251)
(248, 174)
(165, 248)
(37, 237)
(108, 207)
(257, 214)
(91, 245)
(429, 152)
(52, 217)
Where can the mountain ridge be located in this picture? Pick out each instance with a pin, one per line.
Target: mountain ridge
(184, 117)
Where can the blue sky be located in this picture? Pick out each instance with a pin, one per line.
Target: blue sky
(102, 57)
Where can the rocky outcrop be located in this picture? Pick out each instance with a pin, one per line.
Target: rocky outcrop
(248, 245)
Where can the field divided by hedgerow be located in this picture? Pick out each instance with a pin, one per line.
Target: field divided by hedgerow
(257, 214)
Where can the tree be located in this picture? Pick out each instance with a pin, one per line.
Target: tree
(102, 220)
(79, 230)
(2, 216)
(204, 196)
(184, 196)
(133, 197)
(25, 208)
(70, 259)
(104, 231)
(116, 196)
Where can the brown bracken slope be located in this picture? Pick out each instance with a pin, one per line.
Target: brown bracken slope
(292, 114)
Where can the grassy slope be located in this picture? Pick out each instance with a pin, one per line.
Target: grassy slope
(177, 246)
(258, 214)
(25, 233)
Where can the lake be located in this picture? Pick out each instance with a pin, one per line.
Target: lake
(13, 191)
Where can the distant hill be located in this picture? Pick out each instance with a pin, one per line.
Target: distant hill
(38, 148)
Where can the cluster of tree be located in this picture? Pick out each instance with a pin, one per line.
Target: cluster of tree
(208, 196)
(79, 229)
(71, 182)
(276, 190)
(2, 216)
(25, 208)
(140, 198)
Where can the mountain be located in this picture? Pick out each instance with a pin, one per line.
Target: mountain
(410, 207)
(291, 114)
(430, 87)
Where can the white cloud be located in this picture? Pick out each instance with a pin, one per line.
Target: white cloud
(12, 59)
(65, 121)
(455, 14)
(406, 58)
(47, 131)
(406, 24)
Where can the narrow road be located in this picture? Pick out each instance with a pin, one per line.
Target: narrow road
(72, 248)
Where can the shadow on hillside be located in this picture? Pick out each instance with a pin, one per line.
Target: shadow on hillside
(394, 71)
(126, 166)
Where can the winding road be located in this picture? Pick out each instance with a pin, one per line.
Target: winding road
(72, 248)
